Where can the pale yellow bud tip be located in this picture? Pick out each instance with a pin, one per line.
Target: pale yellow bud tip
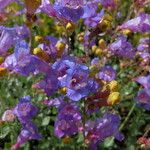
(113, 98)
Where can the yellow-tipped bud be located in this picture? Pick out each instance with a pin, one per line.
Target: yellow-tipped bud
(102, 43)
(70, 27)
(81, 39)
(39, 39)
(94, 47)
(126, 32)
(113, 98)
(41, 54)
(1, 60)
(98, 52)
(113, 86)
(67, 140)
(93, 70)
(104, 25)
(3, 71)
(63, 90)
(60, 46)
(108, 17)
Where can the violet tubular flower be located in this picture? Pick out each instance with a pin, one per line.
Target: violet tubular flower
(10, 36)
(68, 121)
(143, 99)
(107, 73)
(144, 81)
(98, 130)
(25, 110)
(121, 47)
(28, 132)
(140, 23)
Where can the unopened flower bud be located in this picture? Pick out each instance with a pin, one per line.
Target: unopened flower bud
(1, 60)
(39, 39)
(70, 27)
(102, 43)
(3, 71)
(126, 32)
(104, 25)
(67, 140)
(41, 54)
(113, 86)
(94, 47)
(113, 98)
(98, 52)
(63, 90)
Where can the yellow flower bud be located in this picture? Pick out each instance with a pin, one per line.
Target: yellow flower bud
(104, 25)
(126, 32)
(39, 39)
(108, 17)
(63, 90)
(1, 60)
(3, 71)
(113, 98)
(67, 140)
(81, 39)
(41, 54)
(60, 46)
(98, 52)
(94, 47)
(102, 43)
(70, 27)
(93, 70)
(113, 86)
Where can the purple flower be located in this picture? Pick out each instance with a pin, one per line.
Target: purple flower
(93, 21)
(28, 132)
(62, 10)
(98, 130)
(49, 84)
(61, 66)
(143, 99)
(144, 44)
(25, 110)
(107, 73)
(122, 47)
(108, 3)
(4, 3)
(54, 102)
(139, 24)
(10, 36)
(68, 120)
(78, 83)
(144, 81)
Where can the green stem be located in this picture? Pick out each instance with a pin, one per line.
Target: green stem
(128, 116)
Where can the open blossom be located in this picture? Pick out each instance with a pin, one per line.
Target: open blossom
(10, 36)
(140, 23)
(28, 132)
(98, 130)
(144, 81)
(107, 73)
(68, 121)
(122, 47)
(25, 110)
(143, 99)
(8, 116)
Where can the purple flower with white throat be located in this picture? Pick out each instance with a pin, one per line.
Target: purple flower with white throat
(107, 73)
(68, 120)
(122, 47)
(25, 110)
(143, 99)
(28, 132)
(11, 36)
(140, 23)
(144, 81)
(98, 130)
